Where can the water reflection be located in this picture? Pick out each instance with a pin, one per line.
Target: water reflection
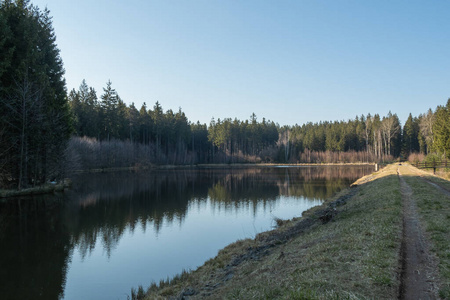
(39, 236)
(35, 249)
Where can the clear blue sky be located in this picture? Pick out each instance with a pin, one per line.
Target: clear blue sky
(288, 61)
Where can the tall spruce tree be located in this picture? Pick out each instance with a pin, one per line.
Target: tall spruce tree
(410, 136)
(110, 104)
(441, 130)
(35, 119)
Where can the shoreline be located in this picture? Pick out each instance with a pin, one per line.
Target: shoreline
(350, 246)
(39, 190)
(60, 187)
(218, 166)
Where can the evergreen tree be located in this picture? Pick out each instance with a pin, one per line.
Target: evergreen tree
(441, 130)
(110, 115)
(157, 116)
(410, 136)
(145, 125)
(133, 119)
(33, 102)
(199, 142)
(85, 110)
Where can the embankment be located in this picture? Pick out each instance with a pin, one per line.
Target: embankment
(351, 247)
(354, 246)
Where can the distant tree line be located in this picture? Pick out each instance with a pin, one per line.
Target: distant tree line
(379, 138)
(165, 137)
(125, 136)
(157, 136)
(240, 141)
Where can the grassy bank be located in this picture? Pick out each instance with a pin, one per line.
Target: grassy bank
(347, 248)
(38, 190)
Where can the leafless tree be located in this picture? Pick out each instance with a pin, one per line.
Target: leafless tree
(426, 128)
(283, 140)
(367, 131)
(390, 128)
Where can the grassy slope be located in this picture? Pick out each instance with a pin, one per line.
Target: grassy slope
(354, 256)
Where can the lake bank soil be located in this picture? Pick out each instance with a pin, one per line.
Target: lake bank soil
(386, 237)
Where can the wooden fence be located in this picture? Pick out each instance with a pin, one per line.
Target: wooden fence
(433, 165)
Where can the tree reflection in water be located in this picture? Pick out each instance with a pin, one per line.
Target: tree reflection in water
(39, 235)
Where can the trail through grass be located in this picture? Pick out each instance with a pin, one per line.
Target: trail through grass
(434, 211)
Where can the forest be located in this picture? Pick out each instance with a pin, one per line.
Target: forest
(108, 133)
(162, 137)
(47, 132)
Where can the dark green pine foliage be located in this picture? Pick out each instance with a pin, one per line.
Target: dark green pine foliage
(199, 144)
(110, 113)
(145, 125)
(441, 130)
(133, 123)
(84, 106)
(35, 118)
(157, 116)
(168, 135)
(236, 139)
(410, 137)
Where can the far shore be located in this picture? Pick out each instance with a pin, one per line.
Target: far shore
(61, 186)
(48, 188)
(224, 165)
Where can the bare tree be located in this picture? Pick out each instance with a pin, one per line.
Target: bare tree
(390, 128)
(283, 140)
(426, 128)
(367, 131)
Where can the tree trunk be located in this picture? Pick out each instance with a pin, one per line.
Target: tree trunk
(22, 145)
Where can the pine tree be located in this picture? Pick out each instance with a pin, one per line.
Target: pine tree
(410, 137)
(441, 130)
(109, 105)
(33, 103)
(157, 116)
(133, 122)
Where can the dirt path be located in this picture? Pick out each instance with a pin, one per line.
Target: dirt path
(440, 188)
(421, 174)
(418, 268)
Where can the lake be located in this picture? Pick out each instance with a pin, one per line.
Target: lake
(114, 231)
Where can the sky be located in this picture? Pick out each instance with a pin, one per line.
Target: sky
(291, 62)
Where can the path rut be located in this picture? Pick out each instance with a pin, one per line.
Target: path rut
(418, 268)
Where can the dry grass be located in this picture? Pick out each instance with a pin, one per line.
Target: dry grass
(442, 173)
(356, 255)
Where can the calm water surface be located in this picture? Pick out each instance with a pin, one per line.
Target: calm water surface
(112, 232)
